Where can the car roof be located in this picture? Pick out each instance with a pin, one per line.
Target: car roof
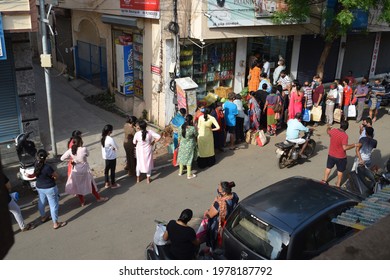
(287, 204)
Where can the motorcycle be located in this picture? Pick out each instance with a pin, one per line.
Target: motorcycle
(26, 152)
(159, 249)
(365, 182)
(288, 152)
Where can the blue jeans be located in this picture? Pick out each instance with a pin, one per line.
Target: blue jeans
(52, 196)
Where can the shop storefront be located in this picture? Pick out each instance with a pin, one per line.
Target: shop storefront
(272, 48)
(211, 65)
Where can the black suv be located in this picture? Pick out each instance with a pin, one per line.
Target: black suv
(291, 219)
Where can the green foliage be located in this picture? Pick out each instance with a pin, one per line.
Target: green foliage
(341, 19)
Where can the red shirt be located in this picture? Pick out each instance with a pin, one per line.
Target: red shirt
(347, 95)
(338, 138)
(317, 92)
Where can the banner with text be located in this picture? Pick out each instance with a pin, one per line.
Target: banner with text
(234, 13)
(141, 8)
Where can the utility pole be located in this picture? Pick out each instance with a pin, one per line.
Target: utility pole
(46, 64)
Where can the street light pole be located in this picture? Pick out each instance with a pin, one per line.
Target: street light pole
(46, 56)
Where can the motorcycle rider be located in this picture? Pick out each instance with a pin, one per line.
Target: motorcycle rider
(294, 127)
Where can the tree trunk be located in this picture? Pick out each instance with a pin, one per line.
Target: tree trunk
(323, 58)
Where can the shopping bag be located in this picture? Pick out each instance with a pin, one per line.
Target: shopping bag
(171, 148)
(202, 230)
(306, 115)
(316, 114)
(351, 111)
(158, 238)
(354, 100)
(250, 137)
(261, 139)
(174, 159)
(337, 115)
(227, 137)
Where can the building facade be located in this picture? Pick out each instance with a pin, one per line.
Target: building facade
(17, 85)
(137, 49)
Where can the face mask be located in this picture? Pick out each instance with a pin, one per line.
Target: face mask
(202, 110)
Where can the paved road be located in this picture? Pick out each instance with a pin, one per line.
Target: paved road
(122, 227)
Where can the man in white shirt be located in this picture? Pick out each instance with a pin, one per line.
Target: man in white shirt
(330, 102)
(340, 90)
(266, 66)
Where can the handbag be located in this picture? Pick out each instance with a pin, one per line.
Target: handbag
(306, 115)
(202, 230)
(261, 139)
(351, 111)
(316, 114)
(354, 100)
(337, 115)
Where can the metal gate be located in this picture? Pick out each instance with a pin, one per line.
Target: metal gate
(91, 63)
(10, 118)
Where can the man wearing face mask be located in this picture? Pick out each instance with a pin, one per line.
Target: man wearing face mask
(361, 93)
(330, 102)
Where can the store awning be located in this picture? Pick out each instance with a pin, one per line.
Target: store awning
(367, 212)
(126, 21)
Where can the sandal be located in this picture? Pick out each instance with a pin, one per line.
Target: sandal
(148, 180)
(324, 182)
(115, 186)
(59, 225)
(45, 219)
(30, 226)
(103, 199)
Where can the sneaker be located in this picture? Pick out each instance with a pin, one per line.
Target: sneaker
(180, 174)
(303, 156)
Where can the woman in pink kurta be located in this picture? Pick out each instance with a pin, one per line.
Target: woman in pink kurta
(144, 141)
(295, 105)
(80, 181)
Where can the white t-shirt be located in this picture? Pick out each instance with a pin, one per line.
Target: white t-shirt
(109, 149)
(266, 68)
(333, 93)
(340, 91)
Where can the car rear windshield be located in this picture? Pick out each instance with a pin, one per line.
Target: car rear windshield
(257, 235)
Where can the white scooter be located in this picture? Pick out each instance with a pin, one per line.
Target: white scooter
(26, 151)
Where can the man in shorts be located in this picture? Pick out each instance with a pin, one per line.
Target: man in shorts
(377, 91)
(338, 148)
(231, 111)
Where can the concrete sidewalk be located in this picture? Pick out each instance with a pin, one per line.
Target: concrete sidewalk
(71, 112)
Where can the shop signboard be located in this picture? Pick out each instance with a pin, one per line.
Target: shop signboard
(3, 53)
(141, 8)
(234, 13)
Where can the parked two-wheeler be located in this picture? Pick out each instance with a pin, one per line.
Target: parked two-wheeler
(26, 152)
(365, 182)
(288, 152)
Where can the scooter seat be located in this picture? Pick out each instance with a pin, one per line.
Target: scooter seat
(284, 145)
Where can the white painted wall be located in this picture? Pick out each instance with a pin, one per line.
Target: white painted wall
(240, 64)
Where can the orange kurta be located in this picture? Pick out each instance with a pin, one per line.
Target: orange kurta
(254, 81)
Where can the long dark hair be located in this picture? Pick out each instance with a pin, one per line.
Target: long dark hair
(76, 142)
(74, 133)
(106, 130)
(142, 125)
(227, 186)
(188, 122)
(41, 158)
(206, 113)
(131, 120)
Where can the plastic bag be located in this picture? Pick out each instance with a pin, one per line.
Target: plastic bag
(158, 238)
(306, 115)
(174, 159)
(261, 139)
(316, 114)
(351, 111)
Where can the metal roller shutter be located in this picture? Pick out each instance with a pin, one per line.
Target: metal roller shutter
(10, 119)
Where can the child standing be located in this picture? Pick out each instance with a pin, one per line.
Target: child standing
(109, 148)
